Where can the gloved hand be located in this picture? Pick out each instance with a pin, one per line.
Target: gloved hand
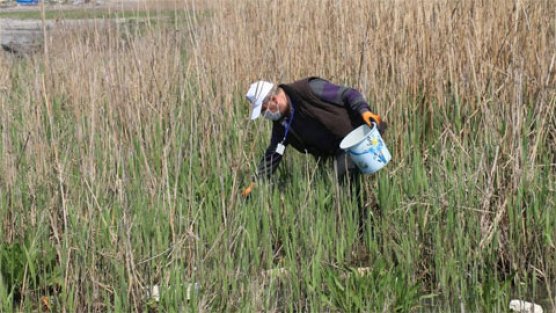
(370, 117)
(245, 193)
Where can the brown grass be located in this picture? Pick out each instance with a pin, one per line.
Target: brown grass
(128, 91)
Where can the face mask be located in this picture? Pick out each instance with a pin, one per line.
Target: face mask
(273, 116)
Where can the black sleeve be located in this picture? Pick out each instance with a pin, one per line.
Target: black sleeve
(271, 159)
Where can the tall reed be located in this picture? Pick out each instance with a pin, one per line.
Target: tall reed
(125, 146)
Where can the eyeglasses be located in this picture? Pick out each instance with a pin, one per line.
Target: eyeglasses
(266, 100)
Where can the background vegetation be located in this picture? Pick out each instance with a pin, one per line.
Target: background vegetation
(124, 148)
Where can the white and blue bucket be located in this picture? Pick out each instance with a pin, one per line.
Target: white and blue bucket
(366, 148)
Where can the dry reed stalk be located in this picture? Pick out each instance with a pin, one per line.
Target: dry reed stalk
(490, 55)
(420, 44)
(496, 59)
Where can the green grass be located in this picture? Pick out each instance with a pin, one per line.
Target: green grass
(182, 224)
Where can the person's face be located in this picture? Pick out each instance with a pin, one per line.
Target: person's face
(270, 104)
(275, 102)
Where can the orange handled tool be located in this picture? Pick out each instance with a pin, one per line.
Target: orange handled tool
(245, 193)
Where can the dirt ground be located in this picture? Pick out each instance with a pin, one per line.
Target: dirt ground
(12, 6)
(24, 35)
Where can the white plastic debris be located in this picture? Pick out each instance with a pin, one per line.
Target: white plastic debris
(191, 289)
(275, 273)
(154, 293)
(362, 271)
(525, 307)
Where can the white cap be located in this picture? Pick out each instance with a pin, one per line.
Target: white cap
(256, 94)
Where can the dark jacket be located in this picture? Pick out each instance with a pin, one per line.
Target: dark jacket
(317, 126)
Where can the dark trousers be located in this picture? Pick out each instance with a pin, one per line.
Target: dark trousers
(347, 176)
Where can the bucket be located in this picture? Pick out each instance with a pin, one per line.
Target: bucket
(366, 148)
